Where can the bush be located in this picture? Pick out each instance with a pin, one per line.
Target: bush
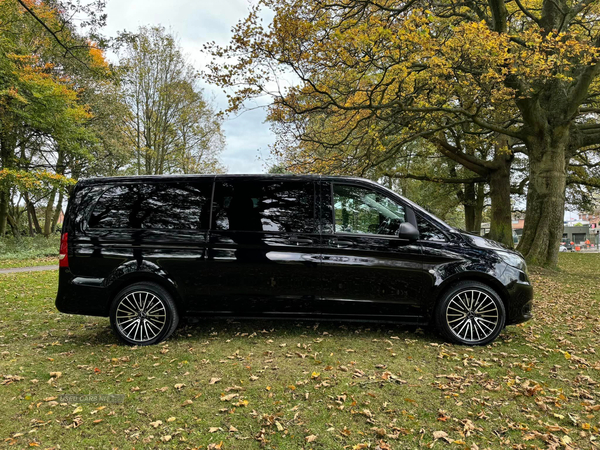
(25, 247)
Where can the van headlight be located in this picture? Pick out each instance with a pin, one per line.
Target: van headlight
(512, 259)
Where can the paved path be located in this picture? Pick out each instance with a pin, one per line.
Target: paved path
(28, 269)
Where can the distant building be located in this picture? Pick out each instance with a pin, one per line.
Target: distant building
(577, 234)
(517, 226)
(592, 219)
(517, 229)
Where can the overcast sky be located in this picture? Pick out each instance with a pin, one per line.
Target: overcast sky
(197, 22)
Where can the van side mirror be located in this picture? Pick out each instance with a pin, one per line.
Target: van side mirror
(408, 231)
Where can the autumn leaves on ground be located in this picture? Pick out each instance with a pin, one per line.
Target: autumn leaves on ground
(262, 384)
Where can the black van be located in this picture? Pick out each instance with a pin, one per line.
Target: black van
(147, 250)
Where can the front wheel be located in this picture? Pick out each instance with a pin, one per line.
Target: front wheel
(470, 313)
(143, 314)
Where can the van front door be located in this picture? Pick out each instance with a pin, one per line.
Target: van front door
(368, 272)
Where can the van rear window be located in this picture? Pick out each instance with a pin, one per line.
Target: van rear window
(183, 206)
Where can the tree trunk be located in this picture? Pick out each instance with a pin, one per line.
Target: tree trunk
(473, 200)
(501, 220)
(6, 162)
(48, 213)
(469, 205)
(29, 222)
(13, 225)
(480, 205)
(58, 210)
(3, 210)
(32, 213)
(544, 219)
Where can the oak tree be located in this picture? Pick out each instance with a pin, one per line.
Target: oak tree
(525, 71)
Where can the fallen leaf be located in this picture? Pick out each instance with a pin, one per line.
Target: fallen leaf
(310, 438)
(440, 435)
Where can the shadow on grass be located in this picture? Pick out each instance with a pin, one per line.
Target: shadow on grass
(193, 330)
(200, 328)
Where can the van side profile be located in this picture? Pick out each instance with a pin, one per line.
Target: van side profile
(147, 250)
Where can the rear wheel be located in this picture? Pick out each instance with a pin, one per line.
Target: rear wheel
(143, 314)
(470, 313)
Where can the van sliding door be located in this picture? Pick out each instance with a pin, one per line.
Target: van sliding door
(263, 252)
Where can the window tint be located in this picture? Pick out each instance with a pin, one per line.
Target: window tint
(182, 206)
(286, 206)
(363, 211)
(428, 231)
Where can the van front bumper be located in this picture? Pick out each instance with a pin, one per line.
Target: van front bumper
(520, 301)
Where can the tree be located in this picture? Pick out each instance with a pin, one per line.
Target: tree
(171, 126)
(47, 70)
(466, 156)
(526, 72)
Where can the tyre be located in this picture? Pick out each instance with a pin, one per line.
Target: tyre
(470, 313)
(143, 314)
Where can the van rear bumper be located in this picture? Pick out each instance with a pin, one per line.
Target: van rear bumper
(81, 295)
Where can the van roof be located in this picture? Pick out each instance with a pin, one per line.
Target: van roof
(177, 177)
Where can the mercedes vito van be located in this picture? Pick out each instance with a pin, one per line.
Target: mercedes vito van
(147, 250)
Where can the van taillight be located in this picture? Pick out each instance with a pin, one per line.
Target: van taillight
(63, 257)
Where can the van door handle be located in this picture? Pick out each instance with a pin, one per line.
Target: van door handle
(300, 241)
(341, 243)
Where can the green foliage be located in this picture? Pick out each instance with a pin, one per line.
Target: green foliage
(44, 122)
(25, 247)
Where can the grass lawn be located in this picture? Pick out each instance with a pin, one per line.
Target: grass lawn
(9, 263)
(289, 385)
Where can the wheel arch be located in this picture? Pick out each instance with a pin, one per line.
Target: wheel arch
(486, 279)
(138, 277)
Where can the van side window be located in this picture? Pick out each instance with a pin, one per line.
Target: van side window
(428, 231)
(161, 206)
(271, 206)
(363, 211)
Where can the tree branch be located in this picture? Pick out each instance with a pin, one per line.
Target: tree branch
(472, 163)
(54, 35)
(499, 15)
(591, 182)
(434, 179)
